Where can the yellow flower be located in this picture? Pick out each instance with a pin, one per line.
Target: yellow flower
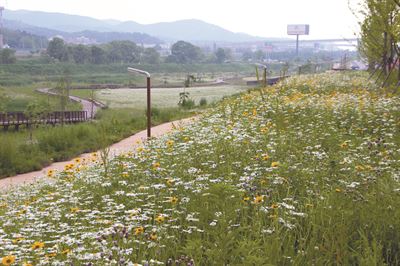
(265, 157)
(27, 264)
(125, 175)
(170, 182)
(173, 200)
(8, 260)
(170, 143)
(50, 173)
(153, 236)
(245, 199)
(274, 164)
(139, 230)
(274, 206)
(344, 145)
(65, 251)
(51, 255)
(156, 165)
(17, 240)
(258, 199)
(160, 219)
(360, 168)
(338, 190)
(77, 160)
(69, 167)
(37, 245)
(75, 209)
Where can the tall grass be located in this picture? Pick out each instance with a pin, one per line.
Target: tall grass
(18, 154)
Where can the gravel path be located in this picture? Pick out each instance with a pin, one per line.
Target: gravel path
(127, 145)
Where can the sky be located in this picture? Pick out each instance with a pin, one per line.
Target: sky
(265, 18)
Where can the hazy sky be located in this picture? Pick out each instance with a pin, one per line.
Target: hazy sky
(267, 18)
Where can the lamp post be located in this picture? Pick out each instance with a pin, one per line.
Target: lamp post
(147, 74)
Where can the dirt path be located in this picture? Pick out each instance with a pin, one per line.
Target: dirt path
(86, 104)
(126, 145)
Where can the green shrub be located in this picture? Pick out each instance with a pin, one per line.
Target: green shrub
(203, 102)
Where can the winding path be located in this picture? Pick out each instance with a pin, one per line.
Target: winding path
(127, 145)
(86, 104)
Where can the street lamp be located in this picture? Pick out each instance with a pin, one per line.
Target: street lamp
(147, 74)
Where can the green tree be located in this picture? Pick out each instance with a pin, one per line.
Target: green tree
(380, 38)
(58, 49)
(80, 54)
(150, 56)
(35, 111)
(247, 55)
(97, 55)
(184, 53)
(7, 56)
(259, 55)
(123, 52)
(220, 55)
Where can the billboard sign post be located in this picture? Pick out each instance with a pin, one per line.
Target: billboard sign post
(298, 29)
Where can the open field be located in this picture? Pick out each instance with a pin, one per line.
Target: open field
(35, 72)
(165, 97)
(302, 173)
(19, 81)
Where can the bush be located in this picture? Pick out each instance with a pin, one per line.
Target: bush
(203, 102)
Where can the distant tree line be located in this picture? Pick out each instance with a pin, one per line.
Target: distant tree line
(21, 40)
(113, 52)
(380, 39)
(129, 52)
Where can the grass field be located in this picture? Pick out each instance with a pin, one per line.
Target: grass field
(19, 81)
(33, 71)
(18, 98)
(165, 97)
(302, 173)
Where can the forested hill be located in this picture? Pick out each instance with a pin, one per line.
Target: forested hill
(189, 30)
(95, 36)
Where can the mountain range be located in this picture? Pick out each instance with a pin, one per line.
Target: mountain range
(188, 30)
(99, 37)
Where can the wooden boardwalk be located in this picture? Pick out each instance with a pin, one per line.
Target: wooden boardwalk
(17, 119)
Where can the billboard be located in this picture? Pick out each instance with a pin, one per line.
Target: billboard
(298, 29)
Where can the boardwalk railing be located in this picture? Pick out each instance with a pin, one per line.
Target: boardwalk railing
(17, 119)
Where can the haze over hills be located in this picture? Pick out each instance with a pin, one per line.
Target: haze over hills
(189, 30)
(98, 37)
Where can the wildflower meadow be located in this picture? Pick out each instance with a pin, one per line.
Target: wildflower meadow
(305, 172)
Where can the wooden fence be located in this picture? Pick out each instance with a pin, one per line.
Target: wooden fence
(17, 119)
